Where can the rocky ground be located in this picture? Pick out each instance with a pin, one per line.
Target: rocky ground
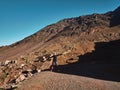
(13, 72)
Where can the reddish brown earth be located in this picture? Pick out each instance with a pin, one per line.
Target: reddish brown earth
(89, 46)
(56, 81)
(78, 34)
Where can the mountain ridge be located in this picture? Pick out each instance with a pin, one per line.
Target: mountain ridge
(66, 28)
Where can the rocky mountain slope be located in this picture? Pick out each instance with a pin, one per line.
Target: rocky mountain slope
(86, 46)
(92, 28)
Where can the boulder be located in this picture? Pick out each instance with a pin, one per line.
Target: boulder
(7, 62)
(20, 78)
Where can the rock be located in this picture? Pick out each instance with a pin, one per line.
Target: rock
(22, 65)
(46, 65)
(8, 87)
(66, 52)
(44, 58)
(20, 78)
(29, 70)
(30, 75)
(38, 70)
(39, 58)
(36, 60)
(7, 62)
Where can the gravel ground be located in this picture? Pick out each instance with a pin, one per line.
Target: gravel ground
(56, 81)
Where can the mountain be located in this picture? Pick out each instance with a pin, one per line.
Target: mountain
(71, 33)
(85, 46)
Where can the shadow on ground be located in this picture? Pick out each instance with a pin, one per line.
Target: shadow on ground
(103, 63)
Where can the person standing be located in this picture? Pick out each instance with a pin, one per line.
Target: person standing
(54, 62)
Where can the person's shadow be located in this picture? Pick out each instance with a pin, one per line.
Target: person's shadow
(102, 63)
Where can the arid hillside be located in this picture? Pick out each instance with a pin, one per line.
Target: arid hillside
(86, 46)
(77, 33)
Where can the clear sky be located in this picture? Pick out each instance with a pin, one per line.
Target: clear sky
(21, 18)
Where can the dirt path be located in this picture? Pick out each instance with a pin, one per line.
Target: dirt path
(55, 81)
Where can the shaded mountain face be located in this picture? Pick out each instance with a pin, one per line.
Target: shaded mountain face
(115, 20)
(76, 34)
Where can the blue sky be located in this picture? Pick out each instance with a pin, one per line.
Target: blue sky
(21, 18)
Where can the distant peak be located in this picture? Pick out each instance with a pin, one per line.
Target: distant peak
(117, 9)
(116, 17)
